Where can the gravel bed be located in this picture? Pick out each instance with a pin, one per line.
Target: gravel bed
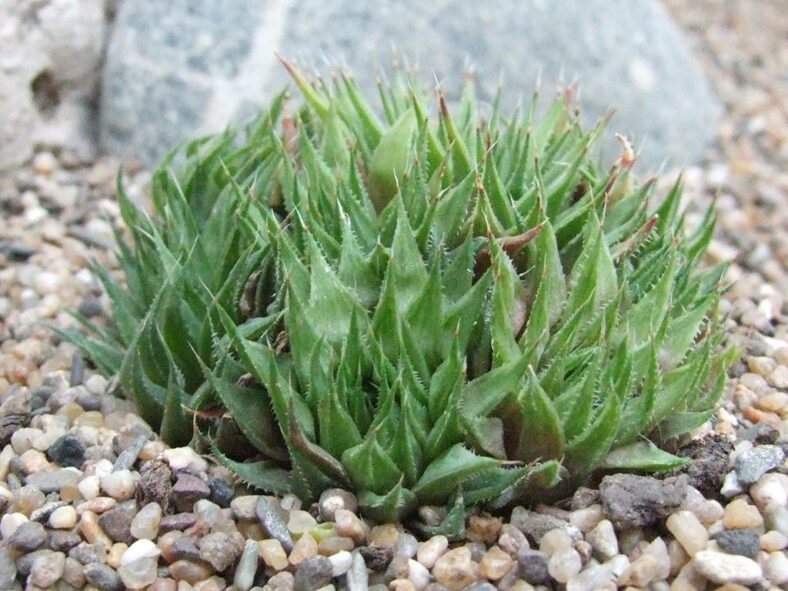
(91, 499)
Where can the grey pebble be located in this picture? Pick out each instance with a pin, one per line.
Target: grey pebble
(535, 525)
(246, 569)
(103, 577)
(481, 586)
(67, 450)
(377, 558)
(532, 566)
(273, 524)
(127, 457)
(61, 540)
(86, 553)
(49, 482)
(752, 464)
(77, 373)
(25, 562)
(7, 569)
(90, 307)
(313, 572)
(185, 548)
(631, 501)
(39, 397)
(28, 537)
(221, 492)
(744, 541)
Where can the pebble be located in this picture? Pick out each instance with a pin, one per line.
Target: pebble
(740, 514)
(336, 498)
(349, 525)
(777, 568)
(63, 518)
(103, 577)
(49, 482)
(483, 529)
(341, 562)
(28, 536)
(300, 522)
(139, 550)
(189, 571)
(313, 572)
(273, 524)
(532, 566)
(273, 554)
(641, 572)
(428, 552)
(494, 564)
(246, 569)
(47, 569)
(688, 530)
(727, 568)
(116, 523)
(357, 578)
(221, 492)
(631, 501)
(304, 547)
(586, 519)
(563, 564)
(771, 488)
(535, 525)
(187, 490)
(219, 550)
(119, 485)
(10, 522)
(743, 541)
(603, 540)
(184, 458)
(554, 540)
(89, 487)
(773, 541)
(67, 450)
(145, 524)
(751, 465)
(140, 573)
(511, 540)
(455, 570)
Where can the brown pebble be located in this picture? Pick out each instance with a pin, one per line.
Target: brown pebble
(190, 571)
(484, 529)
(333, 544)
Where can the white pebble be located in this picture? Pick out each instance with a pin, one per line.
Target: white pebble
(102, 468)
(428, 552)
(340, 562)
(33, 461)
(777, 568)
(603, 540)
(772, 488)
(140, 549)
(554, 540)
(727, 568)
(418, 574)
(563, 564)
(730, 486)
(145, 524)
(96, 384)
(773, 541)
(89, 487)
(586, 519)
(119, 485)
(63, 518)
(184, 458)
(10, 522)
(300, 522)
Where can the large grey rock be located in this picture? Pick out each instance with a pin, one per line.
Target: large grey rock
(189, 66)
(49, 73)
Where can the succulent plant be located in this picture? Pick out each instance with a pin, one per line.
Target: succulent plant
(424, 308)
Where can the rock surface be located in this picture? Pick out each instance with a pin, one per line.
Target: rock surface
(190, 66)
(49, 74)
